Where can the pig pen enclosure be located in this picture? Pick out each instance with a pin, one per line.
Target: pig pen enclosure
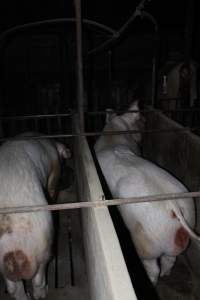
(94, 257)
(92, 261)
(178, 154)
(87, 261)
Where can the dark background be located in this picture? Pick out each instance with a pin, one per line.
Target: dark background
(112, 13)
(38, 65)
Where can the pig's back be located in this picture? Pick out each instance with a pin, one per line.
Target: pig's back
(129, 175)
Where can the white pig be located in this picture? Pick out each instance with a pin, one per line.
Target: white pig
(29, 171)
(159, 230)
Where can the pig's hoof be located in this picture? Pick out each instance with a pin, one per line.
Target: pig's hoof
(28, 296)
(67, 153)
(165, 273)
(40, 292)
(153, 278)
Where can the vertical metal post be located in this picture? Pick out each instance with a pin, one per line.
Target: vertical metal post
(80, 87)
(110, 77)
(110, 65)
(189, 28)
(153, 83)
(154, 70)
(189, 33)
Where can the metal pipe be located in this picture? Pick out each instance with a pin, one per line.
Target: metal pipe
(43, 116)
(99, 203)
(109, 133)
(143, 111)
(154, 69)
(80, 87)
(189, 29)
(110, 76)
(154, 60)
(153, 83)
(118, 34)
(30, 117)
(109, 31)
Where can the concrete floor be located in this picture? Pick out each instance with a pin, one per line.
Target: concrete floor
(182, 284)
(68, 293)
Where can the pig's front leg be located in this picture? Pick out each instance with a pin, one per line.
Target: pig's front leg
(16, 290)
(40, 287)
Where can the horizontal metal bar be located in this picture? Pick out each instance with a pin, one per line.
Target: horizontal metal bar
(142, 111)
(30, 117)
(90, 134)
(19, 28)
(103, 112)
(100, 203)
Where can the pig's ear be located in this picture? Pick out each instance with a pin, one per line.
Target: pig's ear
(109, 115)
(134, 105)
(63, 151)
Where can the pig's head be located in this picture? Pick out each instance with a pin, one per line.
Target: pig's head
(110, 114)
(123, 122)
(64, 152)
(133, 121)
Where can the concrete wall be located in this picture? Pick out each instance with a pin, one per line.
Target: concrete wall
(179, 153)
(107, 273)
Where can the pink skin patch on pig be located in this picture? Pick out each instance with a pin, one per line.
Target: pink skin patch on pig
(17, 266)
(181, 238)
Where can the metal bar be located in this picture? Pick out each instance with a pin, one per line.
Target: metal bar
(16, 29)
(43, 116)
(154, 83)
(154, 60)
(80, 88)
(142, 111)
(110, 77)
(100, 203)
(189, 29)
(30, 117)
(109, 133)
(107, 44)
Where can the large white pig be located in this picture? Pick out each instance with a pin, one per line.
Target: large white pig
(29, 172)
(159, 230)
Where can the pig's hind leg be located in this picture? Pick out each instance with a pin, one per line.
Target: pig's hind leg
(152, 269)
(40, 287)
(166, 264)
(16, 290)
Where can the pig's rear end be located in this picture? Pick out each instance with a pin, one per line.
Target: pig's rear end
(26, 238)
(17, 265)
(24, 244)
